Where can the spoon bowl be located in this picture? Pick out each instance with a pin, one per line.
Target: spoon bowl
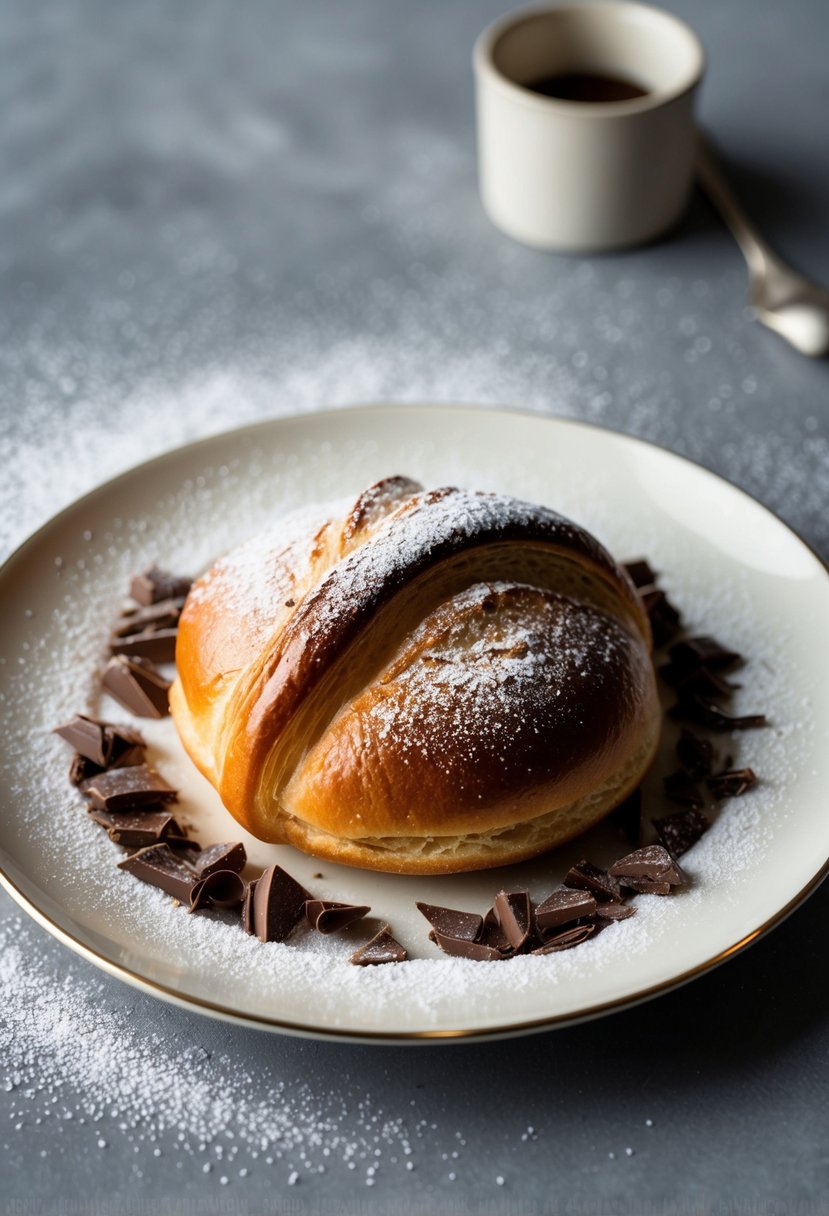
(801, 317)
(782, 299)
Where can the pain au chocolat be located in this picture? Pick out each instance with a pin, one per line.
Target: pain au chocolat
(421, 681)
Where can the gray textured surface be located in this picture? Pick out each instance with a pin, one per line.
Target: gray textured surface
(211, 213)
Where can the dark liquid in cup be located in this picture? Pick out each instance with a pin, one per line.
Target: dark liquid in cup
(583, 86)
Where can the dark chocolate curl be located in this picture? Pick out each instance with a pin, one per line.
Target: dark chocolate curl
(514, 916)
(664, 618)
(88, 737)
(136, 829)
(135, 683)
(565, 940)
(103, 743)
(231, 856)
(247, 908)
(733, 783)
(328, 916)
(640, 573)
(159, 866)
(220, 889)
(680, 831)
(612, 911)
(128, 789)
(704, 652)
(383, 948)
(163, 615)
(493, 935)
(155, 584)
(462, 947)
(586, 877)
(451, 922)
(278, 905)
(651, 863)
(81, 769)
(706, 713)
(562, 907)
(158, 645)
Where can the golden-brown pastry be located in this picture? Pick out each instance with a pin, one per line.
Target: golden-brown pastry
(419, 681)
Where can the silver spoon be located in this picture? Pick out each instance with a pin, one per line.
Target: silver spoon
(784, 300)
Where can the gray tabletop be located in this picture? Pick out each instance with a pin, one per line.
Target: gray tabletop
(213, 213)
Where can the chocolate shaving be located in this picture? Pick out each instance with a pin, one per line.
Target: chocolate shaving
(565, 940)
(678, 832)
(611, 911)
(327, 916)
(493, 935)
(103, 743)
(127, 753)
(128, 789)
(705, 713)
(278, 905)
(81, 769)
(159, 866)
(247, 907)
(382, 948)
(697, 683)
(158, 645)
(628, 816)
(563, 906)
(462, 947)
(219, 889)
(149, 632)
(514, 916)
(695, 754)
(584, 876)
(163, 615)
(88, 737)
(651, 863)
(733, 783)
(181, 842)
(136, 829)
(640, 573)
(136, 684)
(664, 618)
(450, 922)
(155, 584)
(703, 652)
(221, 857)
(680, 788)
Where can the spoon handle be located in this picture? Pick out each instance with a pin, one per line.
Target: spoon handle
(754, 249)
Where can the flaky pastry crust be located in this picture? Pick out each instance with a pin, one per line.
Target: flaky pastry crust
(421, 681)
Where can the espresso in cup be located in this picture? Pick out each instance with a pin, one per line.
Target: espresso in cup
(586, 86)
(586, 134)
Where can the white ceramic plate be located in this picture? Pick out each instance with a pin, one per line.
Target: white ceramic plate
(735, 570)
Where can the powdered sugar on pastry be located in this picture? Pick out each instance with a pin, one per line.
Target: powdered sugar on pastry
(276, 695)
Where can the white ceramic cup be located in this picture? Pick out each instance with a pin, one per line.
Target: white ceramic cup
(586, 175)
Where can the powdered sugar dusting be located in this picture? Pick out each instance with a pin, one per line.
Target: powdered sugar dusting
(427, 523)
(160, 1096)
(516, 677)
(53, 651)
